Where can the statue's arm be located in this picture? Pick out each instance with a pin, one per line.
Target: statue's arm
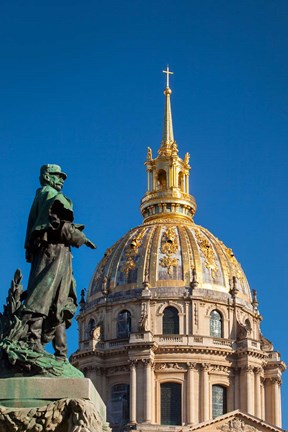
(72, 235)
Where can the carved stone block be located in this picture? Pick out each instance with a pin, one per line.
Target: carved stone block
(51, 404)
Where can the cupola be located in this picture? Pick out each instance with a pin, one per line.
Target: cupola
(167, 174)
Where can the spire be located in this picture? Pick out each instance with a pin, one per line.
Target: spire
(167, 136)
(167, 193)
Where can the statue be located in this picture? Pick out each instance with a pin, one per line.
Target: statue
(186, 158)
(43, 312)
(149, 153)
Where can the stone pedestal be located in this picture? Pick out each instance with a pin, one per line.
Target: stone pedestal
(54, 404)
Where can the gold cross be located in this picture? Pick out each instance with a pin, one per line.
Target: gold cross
(167, 72)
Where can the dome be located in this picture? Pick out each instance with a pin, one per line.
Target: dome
(169, 254)
(171, 257)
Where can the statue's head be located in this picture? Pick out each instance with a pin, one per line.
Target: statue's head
(53, 176)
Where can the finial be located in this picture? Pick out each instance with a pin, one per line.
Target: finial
(167, 72)
(167, 135)
(82, 299)
(234, 288)
(194, 282)
(149, 153)
(255, 300)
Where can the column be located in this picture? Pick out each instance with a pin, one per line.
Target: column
(249, 389)
(190, 393)
(147, 390)
(231, 393)
(186, 183)
(236, 388)
(133, 391)
(276, 383)
(258, 401)
(263, 412)
(205, 399)
(103, 394)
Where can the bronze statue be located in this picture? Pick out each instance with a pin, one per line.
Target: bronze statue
(51, 297)
(42, 313)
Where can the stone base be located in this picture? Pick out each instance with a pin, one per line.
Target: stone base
(54, 404)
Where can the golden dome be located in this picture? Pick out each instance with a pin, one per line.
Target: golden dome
(169, 255)
(173, 257)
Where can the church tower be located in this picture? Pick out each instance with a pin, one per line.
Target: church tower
(170, 331)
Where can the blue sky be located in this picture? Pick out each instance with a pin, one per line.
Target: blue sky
(81, 85)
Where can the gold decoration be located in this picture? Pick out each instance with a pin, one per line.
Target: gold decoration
(103, 263)
(186, 159)
(169, 246)
(149, 154)
(132, 252)
(208, 252)
(234, 262)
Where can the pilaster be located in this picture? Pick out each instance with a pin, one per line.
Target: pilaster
(205, 397)
(191, 393)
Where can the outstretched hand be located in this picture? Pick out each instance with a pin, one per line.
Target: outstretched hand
(90, 244)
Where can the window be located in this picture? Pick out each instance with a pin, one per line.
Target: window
(118, 406)
(124, 325)
(219, 400)
(171, 403)
(161, 180)
(170, 321)
(216, 324)
(90, 328)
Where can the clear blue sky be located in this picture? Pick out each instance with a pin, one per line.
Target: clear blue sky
(81, 85)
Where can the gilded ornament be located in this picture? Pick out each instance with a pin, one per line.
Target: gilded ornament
(186, 159)
(208, 252)
(131, 252)
(149, 154)
(234, 262)
(169, 246)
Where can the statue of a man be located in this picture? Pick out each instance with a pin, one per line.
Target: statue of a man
(51, 301)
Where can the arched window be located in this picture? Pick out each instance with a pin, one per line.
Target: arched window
(161, 179)
(118, 406)
(216, 324)
(90, 328)
(181, 181)
(170, 321)
(123, 324)
(219, 400)
(171, 403)
(248, 326)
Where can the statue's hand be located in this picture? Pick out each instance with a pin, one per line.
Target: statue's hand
(90, 244)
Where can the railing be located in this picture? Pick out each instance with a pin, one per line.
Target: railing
(191, 340)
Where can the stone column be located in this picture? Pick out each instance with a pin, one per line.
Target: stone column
(190, 393)
(205, 397)
(249, 389)
(231, 393)
(104, 393)
(263, 416)
(237, 388)
(133, 392)
(276, 383)
(258, 401)
(147, 390)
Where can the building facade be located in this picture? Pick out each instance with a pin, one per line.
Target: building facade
(170, 331)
